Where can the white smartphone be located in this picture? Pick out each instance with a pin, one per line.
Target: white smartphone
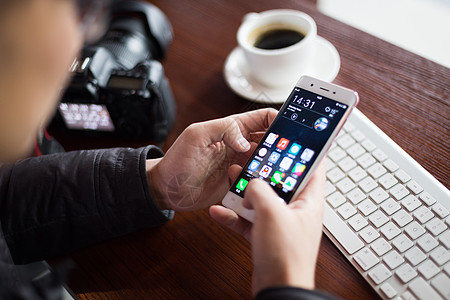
(295, 142)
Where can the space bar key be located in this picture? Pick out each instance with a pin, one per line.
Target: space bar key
(341, 232)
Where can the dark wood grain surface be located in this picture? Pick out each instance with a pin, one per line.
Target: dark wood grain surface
(192, 257)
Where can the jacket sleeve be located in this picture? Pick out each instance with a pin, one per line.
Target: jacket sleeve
(292, 293)
(57, 203)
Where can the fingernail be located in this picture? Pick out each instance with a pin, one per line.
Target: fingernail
(245, 145)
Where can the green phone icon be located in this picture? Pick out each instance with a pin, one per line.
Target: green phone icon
(242, 184)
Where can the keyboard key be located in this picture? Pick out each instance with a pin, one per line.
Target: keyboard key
(423, 290)
(329, 164)
(442, 284)
(390, 165)
(387, 181)
(440, 255)
(402, 243)
(388, 290)
(357, 222)
(378, 219)
(414, 230)
(407, 296)
(423, 214)
(379, 274)
(398, 191)
(390, 206)
(345, 185)
(348, 126)
(367, 207)
(347, 164)
(341, 232)
(358, 136)
(368, 145)
(378, 195)
(415, 256)
(376, 170)
(335, 175)
(366, 160)
(336, 199)
(356, 196)
(379, 155)
(393, 259)
(402, 218)
(357, 174)
(345, 141)
(427, 242)
(380, 247)
(445, 239)
(440, 210)
(402, 176)
(367, 184)
(428, 269)
(329, 188)
(436, 226)
(427, 198)
(369, 234)
(346, 210)
(337, 154)
(411, 203)
(355, 151)
(447, 268)
(365, 259)
(390, 231)
(414, 187)
(406, 273)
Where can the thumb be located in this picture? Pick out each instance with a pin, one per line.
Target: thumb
(262, 198)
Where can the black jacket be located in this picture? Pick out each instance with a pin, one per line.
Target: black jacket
(54, 204)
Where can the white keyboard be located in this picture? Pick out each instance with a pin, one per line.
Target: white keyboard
(387, 214)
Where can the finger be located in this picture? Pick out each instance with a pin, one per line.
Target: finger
(313, 192)
(225, 129)
(233, 172)
(256, 120)
(262, 198)
(230, 219)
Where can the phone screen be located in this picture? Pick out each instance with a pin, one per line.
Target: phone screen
(292, 143)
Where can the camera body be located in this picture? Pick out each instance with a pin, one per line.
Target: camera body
(119, 87)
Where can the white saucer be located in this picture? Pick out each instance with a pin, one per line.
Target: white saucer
(325, 66)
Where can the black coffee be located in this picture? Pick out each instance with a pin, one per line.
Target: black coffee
(278, 38)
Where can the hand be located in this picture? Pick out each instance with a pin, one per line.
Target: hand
(285, 239)
(193, 173)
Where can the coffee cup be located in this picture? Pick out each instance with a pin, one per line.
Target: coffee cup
(278, 45)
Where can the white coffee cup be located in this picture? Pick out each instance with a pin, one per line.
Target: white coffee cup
(283, 66)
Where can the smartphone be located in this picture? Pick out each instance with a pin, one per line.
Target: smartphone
(295, 142)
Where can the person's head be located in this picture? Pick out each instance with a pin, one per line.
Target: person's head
(39, 40)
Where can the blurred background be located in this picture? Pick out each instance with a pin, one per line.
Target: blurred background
(419, 26)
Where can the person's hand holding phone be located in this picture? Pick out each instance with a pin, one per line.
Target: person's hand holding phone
(285, 239)
(193, 174)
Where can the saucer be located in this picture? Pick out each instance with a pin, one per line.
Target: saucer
(325, 66)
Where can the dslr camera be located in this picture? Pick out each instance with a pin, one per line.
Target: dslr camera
(118, 86)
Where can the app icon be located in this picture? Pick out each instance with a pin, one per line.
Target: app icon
(289, 183)
(254, 165)
(286, 163)
(282, 144)
(262, 152)
(273, 158)
(321, 124)
(265, 171)
(298, 169)
(242, 184)
(271, 138)
(277, 177)
(295, 148)
(307, 154)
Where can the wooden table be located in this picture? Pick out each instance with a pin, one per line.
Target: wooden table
(192, 257)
